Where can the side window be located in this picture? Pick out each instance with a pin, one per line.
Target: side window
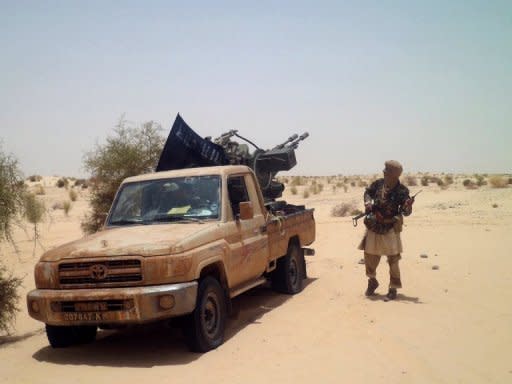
(237, 193)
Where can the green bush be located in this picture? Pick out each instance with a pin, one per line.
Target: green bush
(34, 178)
(8, 299)
(480, 180)
(34, 209)
(129, 151)
(448, 179)
(62, 182)
(469, 184)
(12, 189)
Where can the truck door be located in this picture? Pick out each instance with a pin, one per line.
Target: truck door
(249, 260)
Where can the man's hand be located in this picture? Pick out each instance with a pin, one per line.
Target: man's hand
(368, 207)
(409, 202)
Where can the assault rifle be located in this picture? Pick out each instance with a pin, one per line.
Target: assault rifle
(361, 215)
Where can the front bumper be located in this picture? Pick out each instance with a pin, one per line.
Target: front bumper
(130, 305)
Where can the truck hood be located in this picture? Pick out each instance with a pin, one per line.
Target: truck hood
(137, 240)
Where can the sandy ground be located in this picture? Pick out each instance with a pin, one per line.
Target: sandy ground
(449, 325)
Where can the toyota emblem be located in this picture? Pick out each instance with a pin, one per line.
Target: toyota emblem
(98, 271)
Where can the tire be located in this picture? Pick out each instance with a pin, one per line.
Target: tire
(290, 271)
(205, 327)
(65, 336)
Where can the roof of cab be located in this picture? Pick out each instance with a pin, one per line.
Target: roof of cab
(199, 171)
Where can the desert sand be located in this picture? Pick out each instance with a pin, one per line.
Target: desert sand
(450, 324)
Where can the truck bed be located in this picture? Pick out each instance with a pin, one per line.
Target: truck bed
(289, 221)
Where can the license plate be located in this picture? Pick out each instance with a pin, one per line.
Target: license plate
(87, 316)
(92, 306)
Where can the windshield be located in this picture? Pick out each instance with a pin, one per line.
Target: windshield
(181, 199)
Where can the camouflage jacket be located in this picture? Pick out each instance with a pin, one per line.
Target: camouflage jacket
(388, 202)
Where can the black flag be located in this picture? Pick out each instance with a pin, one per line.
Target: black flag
(186, 149)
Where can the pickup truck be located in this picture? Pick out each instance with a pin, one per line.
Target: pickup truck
(177, 243)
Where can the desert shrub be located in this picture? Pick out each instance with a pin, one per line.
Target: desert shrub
(498, 181)
(297, 180)
(480, 180)
(320, 187)
(129, 151)
(12, 189)
(293, 190)
(448, 179)
(411, 181)
(33, 209)
(343, 209)
(305, 194)
(333, 189)
(495, 205)
(34, 178)
(339, 184)
(73, 195)
(79, 182)
(39, 190)
(62, 182)
(66, 206)
(352, 183)
(469, 184)
(425, 180)
(8, 299)
(362, 184)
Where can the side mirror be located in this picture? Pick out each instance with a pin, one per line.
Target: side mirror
(246, 210)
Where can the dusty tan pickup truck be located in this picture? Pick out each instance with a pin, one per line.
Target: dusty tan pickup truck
(175, 244)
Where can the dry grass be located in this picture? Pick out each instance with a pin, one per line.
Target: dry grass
(411, 181)
(343, 209)
(66, 206)
(498, 181)
(39, 190)
(73, 195)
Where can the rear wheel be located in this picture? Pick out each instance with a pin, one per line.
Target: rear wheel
(205, 326)
(290, 271)
(65, 336)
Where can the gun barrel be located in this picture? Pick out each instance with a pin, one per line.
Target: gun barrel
(294, 144)
(289, 140)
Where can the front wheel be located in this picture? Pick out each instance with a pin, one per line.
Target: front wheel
(205, 326)
(290, 271)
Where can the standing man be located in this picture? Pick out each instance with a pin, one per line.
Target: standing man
(386, 201)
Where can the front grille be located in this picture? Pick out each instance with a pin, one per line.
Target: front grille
(100, 272)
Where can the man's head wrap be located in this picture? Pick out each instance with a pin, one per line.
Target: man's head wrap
(393, 166)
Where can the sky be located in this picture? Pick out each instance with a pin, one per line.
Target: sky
(428, 83)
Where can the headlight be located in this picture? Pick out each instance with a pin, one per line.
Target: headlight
(45, 275)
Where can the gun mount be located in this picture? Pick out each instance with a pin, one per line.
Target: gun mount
(184, 149)
(265, 163)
